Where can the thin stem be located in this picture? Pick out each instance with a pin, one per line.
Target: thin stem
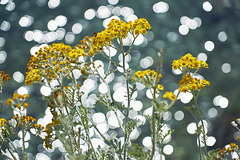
(103, 79)
(114, 47)
(10, 151)
(154, 110)
(63, 95)
(198, 138)
(199, 145)
(109, 91)
(130, 48)
(8, 148)
(1, 105)
(90, 142)
(65, 106)
(87, 133)
(128, 96)
(114, 63)
(201, 120)
(94, 126)
(109, 63)
(13, 145)
(23, 144)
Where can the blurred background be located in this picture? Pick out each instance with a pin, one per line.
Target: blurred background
(209, 30)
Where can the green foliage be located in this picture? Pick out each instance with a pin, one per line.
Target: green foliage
(160, 106)
(130, 125)
(137, 152)
(211, 155)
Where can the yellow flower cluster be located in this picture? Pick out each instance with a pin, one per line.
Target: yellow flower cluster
(3, 78)
(189, 83)
(2, 122)
(188, 62)
(49, 130)
(117, 29)
(85, 44)
(222, 153)
(18, 100)
(52, 62)
(24, 121)
(37, 126)
(148, 78)
(140, 26)
(170, 95)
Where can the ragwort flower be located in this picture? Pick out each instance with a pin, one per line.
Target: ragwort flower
(148, 78)
(53, 63)
(188, 83)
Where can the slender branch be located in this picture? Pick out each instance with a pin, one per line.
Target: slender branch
(87, 133)
(8, 148)
(23, 144)
(154, 110)
(10, 151)
(13, 146)
(128, 96)
(65, 106)
(103, 79)
(201, 119)
(114, 63)
(129, 50)
(1, 105)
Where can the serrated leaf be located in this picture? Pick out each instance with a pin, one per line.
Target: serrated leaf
(160, 106)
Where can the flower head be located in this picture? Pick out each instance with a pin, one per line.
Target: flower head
(148, 78)
(170, 96)
(188, 62)
(3, 78)
(53, 62)
(190, 84)
(117, 29)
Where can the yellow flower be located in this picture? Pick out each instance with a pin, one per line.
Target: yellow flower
(3, 122)
(117, 29)
(4, 78)
(25, 104)
(160, 87)
(18, 106)
(188, 62)
(9, 101)
(170, 96)
(184, 89)
(148, 78)
(91, 52)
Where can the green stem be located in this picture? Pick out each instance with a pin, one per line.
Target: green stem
(103, 79)
(128, 99)
(1, 105)
(201, 120)
(8, 148)
(87, 133)
(9, 141)
(154, 110)
(199, 144)
(90, 142)
(23, 144)
(105, 139)
(66, 108)
(198, 137)
(114, 63)
(10, 151)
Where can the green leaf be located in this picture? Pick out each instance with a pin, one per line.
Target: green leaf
(137, 152)
(130, 125)
(211, 155)
(160, 106)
